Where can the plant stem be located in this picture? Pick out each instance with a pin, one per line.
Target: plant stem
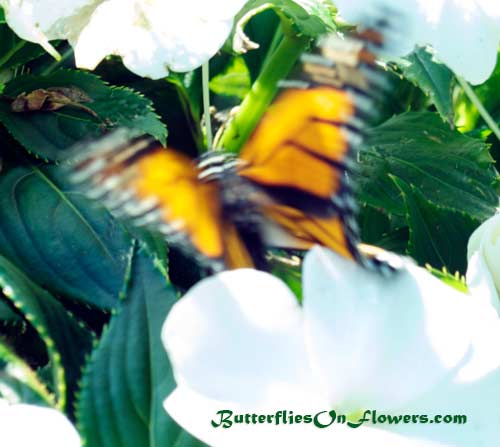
(12, 51)
(277, 66)
(205, 76)
(479, 106)
(57, 63)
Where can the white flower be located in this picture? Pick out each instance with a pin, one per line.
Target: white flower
(464, 33)
(406, 345)
(152, 36)
(483, 252)
(23, 425)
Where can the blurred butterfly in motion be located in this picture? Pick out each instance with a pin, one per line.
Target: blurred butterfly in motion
(289, 187)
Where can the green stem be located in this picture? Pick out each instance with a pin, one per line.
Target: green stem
(479, 106)
(11, 52)
(57, 63)
(205, 76)
(262, 92)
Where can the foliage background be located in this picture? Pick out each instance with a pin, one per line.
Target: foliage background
(83, 296)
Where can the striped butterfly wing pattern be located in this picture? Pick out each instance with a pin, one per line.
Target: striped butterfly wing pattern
(151, 186)
(299, 155)
(303, 152)
(291, 181)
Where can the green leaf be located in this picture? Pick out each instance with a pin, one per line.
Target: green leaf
(66, 341)
(234, 81)
(263, 29)
(15, 51)
(438, 235)
(287, 269)
(396, 240)
(468, 117)
(172, 102)
(434, 78)
(456, 281)
(129, 374)
(48, 134)
(311, 17)
(19, 383)
(6, 312)
(63, 241)
(450, 169)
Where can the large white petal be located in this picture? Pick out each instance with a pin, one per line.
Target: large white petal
(404, 24)
(42, 20)
(462, 27)
(473, 392)
(480, 282)
(238, 336)
(454, 28)
(486, 242)
(379, 342)
(195, 412)
(24, 425)
(153, 37)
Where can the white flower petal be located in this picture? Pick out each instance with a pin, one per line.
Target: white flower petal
(403, 37)
(42, 20)
(486, 241)
(238, 337)
(454, 28)
(480, 282)
(155, 36)
(152, 36)
(477, 399)
(461, 29)
(379, 342)
(24, 425)
(194, 413)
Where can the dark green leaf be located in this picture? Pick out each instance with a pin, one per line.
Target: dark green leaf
(396, 240)
(15, 51)
(262, 29)
(450, 169)
(175, 107)
(438, 235)
(48, 134)
(434, 78)
(67, 342)
(6, 312)
(19, 383)
(129, 374)
(311, 17)
(59, 238)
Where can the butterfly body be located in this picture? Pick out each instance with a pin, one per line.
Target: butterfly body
(290, 186)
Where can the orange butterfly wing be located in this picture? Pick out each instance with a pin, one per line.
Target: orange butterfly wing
(160, 188)
(307, 230)
(298, 142)
(300, 145)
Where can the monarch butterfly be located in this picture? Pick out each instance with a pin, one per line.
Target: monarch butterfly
(290, 185)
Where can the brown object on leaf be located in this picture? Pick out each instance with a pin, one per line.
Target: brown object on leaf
(52, 98)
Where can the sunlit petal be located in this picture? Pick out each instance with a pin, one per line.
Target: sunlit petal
(456, 29)
(195, 412)
(378, 342)
(24, 425)
(238, 337)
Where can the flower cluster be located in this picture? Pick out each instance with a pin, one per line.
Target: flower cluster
(156, 36)
(152, 37)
